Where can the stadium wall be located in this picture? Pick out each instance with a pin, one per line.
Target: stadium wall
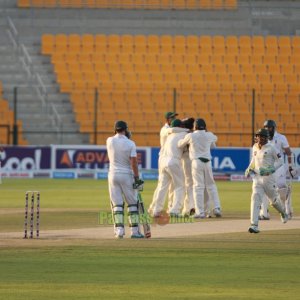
(72, 161)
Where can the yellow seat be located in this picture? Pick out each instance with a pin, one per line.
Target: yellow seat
(24, 3)
(48, 44)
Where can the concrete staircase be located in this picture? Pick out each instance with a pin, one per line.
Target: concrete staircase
(46, 114)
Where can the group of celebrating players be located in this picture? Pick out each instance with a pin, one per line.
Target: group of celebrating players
(185, 174)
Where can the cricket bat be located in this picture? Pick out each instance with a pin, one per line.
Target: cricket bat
(144, 216)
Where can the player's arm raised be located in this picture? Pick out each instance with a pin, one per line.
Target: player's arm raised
(185, 141)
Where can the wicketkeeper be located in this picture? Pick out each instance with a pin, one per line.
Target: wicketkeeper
(262, 167)
(280, 142)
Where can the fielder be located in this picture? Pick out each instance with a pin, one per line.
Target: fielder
(200, 141)
(279, 141)
(188, 204)
(169, 116)
(123, 173)
(171, 172)
(262, 167)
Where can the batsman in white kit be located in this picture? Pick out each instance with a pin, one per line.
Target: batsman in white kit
(262, 167)
(122, 177)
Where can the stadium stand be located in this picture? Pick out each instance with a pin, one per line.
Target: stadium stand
(131, 4)
(213, 57)
(7, 122)
(136, 75)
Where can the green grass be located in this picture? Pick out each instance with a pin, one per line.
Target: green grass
(223, 266)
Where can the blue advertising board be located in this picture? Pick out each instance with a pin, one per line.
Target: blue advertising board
(25, 158)
(224, 160)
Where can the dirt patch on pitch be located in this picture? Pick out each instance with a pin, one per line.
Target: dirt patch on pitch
(205, 227)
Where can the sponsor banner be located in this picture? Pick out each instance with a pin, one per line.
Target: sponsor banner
(42, 174)
(296, 157)
(26, 158)
(17, 174)
(224, 160)
(90, 157)
(64, 175)
(102, 175)
(220, 177)
(154, 158)
(85, 175)
(150, 176)
(239, 177)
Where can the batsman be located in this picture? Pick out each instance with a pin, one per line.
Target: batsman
(123, 180)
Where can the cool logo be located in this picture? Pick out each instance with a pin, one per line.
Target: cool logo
(27, 163)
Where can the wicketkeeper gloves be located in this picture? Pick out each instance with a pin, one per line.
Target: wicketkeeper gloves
(266, 171)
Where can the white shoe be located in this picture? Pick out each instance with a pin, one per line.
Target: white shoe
(217, 212)
(284, 218)
(290, 216)
(119, 233)
(199, 216)
(253, 229)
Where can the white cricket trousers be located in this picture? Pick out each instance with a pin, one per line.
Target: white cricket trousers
(264, 185)
(171, 172)
(203, 178)
(189, 198)
(280, 177)
(120, 189)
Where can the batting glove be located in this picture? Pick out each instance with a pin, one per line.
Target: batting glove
(138, 183)
(292, 172)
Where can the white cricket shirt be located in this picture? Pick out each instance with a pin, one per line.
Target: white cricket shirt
(200, 142)
(120, 149)
(171, 148)
(264, 157)
(280, 142)
(163, 137)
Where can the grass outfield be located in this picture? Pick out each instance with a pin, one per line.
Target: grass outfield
(220, 266)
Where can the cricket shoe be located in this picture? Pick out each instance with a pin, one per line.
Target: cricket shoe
(264, 218)
(284, 217)
(290, 216)
(137, 235)
(253, 229)
(217, 212)
(199, 216)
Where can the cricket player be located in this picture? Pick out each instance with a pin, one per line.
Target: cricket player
(188, 204)
(262, 167)
(279, 141)
(200, 142)
(171, 172)
(123, 173)
(169, 116)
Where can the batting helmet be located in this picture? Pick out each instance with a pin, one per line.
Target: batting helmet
(120, 126)
(269, 123)
(262, 132)
(200, 124)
